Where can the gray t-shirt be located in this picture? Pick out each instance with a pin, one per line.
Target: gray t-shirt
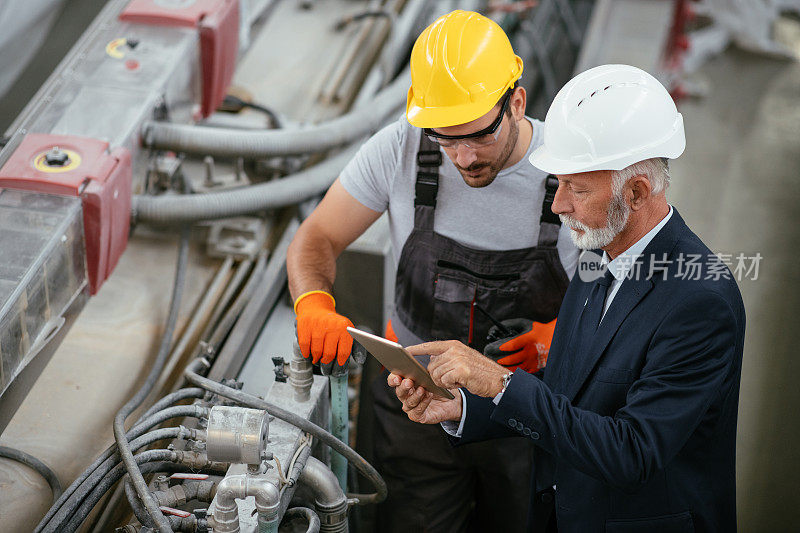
(502, 216)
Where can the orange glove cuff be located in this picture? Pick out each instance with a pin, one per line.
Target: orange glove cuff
(314, 300)
(390, 334)
(540, 333)
(531, 348)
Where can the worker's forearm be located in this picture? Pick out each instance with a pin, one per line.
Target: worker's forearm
(310, 263)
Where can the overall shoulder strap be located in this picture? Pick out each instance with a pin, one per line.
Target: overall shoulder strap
(549, 223)
(429, 159)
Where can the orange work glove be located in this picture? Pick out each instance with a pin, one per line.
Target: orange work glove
(527, 348)
(321, 331)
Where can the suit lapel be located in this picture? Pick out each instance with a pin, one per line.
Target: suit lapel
(628, 296)
(630, 293)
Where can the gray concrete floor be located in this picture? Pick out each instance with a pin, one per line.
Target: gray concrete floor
(738, 187)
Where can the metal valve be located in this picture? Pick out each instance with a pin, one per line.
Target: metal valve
(280, 369)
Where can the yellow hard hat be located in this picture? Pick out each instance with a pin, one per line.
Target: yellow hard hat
(461, 65)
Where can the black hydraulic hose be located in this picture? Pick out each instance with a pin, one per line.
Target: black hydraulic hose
(114, 475)
(61, 511)
(172, 398)
(136, 506)
(103, 470)
(235, 143)
(99, 469)
(185, 208)
(308, 514)
(158, 365)
(31, 461)
(234, 104)
(194, 411)
(366, 469)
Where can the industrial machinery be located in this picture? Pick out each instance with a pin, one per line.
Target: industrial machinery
(139, 129)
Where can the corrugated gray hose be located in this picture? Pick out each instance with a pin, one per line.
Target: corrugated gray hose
(175, 209)
(334, 133)
(236, 143)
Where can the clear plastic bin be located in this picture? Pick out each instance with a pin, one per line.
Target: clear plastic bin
(42, 269)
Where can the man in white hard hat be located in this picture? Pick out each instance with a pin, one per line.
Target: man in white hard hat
(635, 418)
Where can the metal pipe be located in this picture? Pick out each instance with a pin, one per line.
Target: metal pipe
(234, 284)
(329, 500)
(222, 329)
(394, 51)
(257, 304)
(372, 53)
(339, 424)
(301, 374)
(199, 315)
(343, 65)
(226, 513)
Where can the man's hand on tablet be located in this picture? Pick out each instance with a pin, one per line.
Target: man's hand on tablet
(423, 406)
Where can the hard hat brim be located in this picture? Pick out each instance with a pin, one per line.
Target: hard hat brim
(443, 117)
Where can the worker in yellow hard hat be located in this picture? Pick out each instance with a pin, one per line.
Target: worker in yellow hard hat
(480, 258)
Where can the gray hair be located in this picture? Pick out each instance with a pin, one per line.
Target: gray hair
(656, 170)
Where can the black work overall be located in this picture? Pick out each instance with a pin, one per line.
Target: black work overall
(434, 487)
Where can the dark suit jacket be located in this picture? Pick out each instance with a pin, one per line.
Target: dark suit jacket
(638, 433)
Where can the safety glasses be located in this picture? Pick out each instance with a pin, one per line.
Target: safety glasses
(479, 139)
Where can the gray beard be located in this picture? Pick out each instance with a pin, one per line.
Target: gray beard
(594, 238)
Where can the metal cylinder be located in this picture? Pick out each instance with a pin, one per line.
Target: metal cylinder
(237, 435)
(301, 374)
(330, 502)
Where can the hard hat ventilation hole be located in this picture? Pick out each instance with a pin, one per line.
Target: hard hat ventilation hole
(607, 87)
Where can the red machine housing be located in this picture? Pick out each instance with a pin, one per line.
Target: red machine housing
(217, 22)
(102, 180)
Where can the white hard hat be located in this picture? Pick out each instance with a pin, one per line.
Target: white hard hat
(608, 118)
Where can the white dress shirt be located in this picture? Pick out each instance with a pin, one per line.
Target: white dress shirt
(620, 266)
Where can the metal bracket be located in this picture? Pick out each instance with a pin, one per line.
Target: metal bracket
(240, 237)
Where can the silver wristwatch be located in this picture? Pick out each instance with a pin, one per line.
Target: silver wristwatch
(505, 381)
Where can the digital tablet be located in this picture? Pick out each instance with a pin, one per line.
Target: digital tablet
(396, 359)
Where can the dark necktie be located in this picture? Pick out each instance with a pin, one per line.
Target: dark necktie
(587, 325)
(593, 312)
